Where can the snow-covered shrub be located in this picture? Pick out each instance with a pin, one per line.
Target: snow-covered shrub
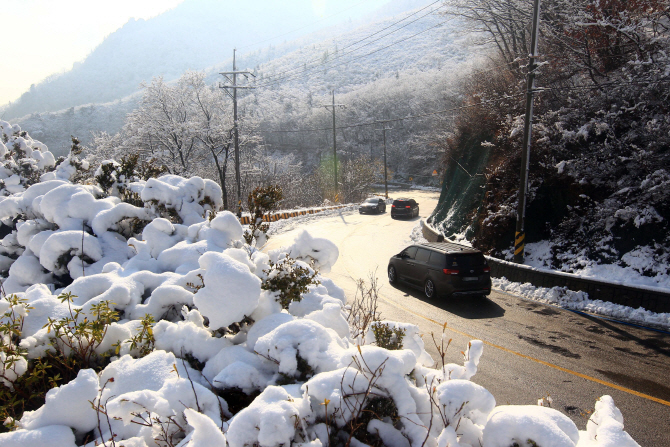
(605, 426)
(79, 337)
(528, 425)
(115, 178)
(59, 231)
(24, 160)
(261, 202)
(289, 279)
(387, 336)
(119, 179)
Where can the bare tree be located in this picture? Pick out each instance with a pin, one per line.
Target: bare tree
(165, 124)
(214, 128)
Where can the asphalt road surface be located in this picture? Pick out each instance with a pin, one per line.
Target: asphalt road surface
(531, 350)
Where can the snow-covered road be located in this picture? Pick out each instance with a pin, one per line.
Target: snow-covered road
(531, 349)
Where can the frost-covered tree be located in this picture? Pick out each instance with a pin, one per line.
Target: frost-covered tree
(164, 125)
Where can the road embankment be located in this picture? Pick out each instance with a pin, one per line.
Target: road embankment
(649, 298)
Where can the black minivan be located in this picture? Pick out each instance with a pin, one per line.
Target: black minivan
(442, 268)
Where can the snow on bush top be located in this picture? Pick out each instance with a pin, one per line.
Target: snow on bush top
(202, 355)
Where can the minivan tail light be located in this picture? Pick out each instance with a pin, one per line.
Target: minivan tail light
(392, 206)
(487, 269)
(450, 271)
(408, 206)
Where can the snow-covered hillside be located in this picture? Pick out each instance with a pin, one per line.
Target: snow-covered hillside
(167, 328)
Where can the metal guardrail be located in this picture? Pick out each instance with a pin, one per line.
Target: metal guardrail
(273, 217)
(650, 298)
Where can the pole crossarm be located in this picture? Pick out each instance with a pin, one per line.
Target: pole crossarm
(383, 130)
(334, 106)
(231, 76)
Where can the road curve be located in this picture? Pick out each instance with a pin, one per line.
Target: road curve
(532, 350)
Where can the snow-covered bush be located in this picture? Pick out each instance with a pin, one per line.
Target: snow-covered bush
(61, 231)
(289, 279)
(261, 202)
(115, 178)
(24, 160)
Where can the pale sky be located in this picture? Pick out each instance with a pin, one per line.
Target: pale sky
(42, 37)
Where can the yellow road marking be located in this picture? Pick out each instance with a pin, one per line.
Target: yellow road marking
(542, 362)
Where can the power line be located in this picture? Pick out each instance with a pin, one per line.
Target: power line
(306, 26)
(283, 74)
(453, 109)
(423, 115)
(287, 76)
(393, 24)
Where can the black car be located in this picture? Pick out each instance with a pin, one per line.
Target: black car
(372, 205)
(442, 268)
(404, 208)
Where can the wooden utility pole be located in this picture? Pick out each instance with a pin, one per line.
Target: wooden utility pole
(520, 235)
(334, 140)
(233, 96)
(384, 129)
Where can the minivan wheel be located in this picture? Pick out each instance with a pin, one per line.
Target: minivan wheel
(392, 274)
(429, 289)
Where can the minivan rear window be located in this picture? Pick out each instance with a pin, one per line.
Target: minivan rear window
(468, 260)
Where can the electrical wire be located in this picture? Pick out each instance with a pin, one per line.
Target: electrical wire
(289, 78)
(371, 123)
(303, 27)
(361, 40)
(453, 109)
(286, 75)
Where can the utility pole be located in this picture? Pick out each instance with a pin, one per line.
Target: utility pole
(520, 235)
(233, 96)
(334, 140)
(384, 129)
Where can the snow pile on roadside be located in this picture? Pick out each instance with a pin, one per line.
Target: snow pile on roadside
(284, 225)
(203, 351)
(416, 236)
(637, 262)
(568, 299)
